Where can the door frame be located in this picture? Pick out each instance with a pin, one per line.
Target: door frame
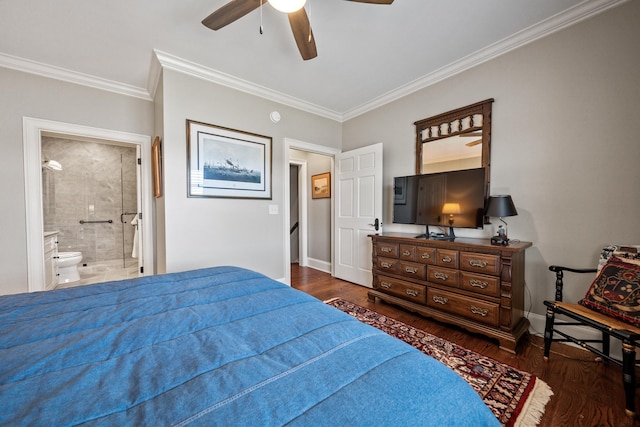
(311, 148)
(33, 130)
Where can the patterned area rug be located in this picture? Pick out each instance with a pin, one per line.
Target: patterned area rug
(516, 398)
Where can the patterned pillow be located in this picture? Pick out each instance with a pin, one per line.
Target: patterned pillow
(616, 291)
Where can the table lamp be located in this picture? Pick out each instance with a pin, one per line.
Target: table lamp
(451, 209)
(501, 206)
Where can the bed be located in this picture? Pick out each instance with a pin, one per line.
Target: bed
(218, 346)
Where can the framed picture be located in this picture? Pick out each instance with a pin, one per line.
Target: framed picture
(321, 185)
(156, 167)
(224, 162)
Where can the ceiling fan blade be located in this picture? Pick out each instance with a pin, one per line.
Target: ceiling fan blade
(303, 34)
(230, 12)
(374, 1)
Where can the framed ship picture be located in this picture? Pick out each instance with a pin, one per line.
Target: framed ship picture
(223, 162)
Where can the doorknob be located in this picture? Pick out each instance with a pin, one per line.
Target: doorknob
(376, 224)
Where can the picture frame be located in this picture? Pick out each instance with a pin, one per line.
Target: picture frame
(228, 163)
(321, 186)
(156, 167)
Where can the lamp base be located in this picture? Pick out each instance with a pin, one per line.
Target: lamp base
(499, 241)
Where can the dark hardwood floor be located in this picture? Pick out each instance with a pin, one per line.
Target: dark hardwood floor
(586, 392)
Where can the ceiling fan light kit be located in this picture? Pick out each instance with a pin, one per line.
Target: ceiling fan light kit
(298, 19)
(287, 6)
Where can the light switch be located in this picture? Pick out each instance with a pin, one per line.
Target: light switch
(273, 209)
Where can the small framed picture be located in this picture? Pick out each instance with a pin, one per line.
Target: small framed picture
(225, 162)
(321, 186)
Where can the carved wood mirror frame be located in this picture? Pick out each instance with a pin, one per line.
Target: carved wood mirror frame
(472, 119)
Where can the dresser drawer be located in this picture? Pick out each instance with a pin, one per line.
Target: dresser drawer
(471, 308)
(387, 264)
(481, 263)
(407, 252)
(443, 275)
(401, 289)
(447, 258)
(426, 255)
(387, 249)
(412, 269)
(480, 283)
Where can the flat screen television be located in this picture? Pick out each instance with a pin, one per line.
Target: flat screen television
(444, 199)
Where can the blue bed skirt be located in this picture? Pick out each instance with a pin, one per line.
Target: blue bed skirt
(220, 346)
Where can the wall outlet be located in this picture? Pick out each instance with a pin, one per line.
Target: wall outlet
(273, 209)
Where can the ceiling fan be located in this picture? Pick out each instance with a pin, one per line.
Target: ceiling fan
(298, 19)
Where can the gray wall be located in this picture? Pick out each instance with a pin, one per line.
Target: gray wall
(319, 212)
(565, 141)
(202, 232)
(32, 96)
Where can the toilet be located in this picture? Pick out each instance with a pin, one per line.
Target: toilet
(68, 266)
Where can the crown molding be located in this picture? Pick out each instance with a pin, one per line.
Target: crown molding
(184, 66)
(580, 12)
(70, 76)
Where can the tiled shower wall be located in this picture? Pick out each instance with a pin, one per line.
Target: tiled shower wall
(90, 187)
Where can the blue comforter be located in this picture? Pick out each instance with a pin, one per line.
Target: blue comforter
(219, 346)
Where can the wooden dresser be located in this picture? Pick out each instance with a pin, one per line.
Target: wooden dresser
(466, 282)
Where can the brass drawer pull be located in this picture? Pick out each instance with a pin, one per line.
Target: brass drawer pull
(441, 276)
(425, 255)
(406, 253)
(478, 283)
(385, 285)
(446, 259)
(412, 292)
(482, 312)
(478, 263)
(411, 270)
(440, 300)
(385, 249)
(384, 264)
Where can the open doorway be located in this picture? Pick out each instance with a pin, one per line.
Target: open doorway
(91, 201)
(34, 130)
(314, 233)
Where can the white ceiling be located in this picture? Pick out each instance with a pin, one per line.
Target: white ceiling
(367, 54)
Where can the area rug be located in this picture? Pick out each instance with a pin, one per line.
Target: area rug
(516, 398)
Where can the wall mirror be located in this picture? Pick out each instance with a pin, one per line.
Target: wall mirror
(455, 140)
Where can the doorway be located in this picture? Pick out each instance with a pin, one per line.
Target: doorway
(91, 201)
(34, 130)
(306, 212)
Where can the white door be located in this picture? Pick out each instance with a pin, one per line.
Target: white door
(358, 211)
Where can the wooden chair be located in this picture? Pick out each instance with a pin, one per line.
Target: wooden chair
(609, 326)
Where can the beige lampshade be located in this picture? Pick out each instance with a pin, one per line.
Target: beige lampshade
(451, 208)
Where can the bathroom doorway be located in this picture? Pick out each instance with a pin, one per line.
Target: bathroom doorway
(91, 200)
(33, 130)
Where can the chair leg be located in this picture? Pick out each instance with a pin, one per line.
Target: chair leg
(629, 376)
(548, 332)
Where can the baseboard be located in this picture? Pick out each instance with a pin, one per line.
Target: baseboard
(319, 265)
